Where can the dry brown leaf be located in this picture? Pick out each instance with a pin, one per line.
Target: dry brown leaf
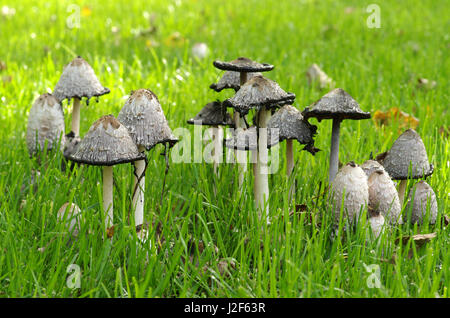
(110, 232)
(418, 239)
(405, 120)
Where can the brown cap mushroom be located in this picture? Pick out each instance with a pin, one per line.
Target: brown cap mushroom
(144, 118)
(422, 200)
(107, 143)
(257, 93)
(45, 124)
(337, 105)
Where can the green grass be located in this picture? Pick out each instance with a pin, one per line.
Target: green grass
(289, 258)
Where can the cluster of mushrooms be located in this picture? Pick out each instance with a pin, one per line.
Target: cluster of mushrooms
(263, 116)
(140, 126)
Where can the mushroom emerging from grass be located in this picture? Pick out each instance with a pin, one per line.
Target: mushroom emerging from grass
(376, 221)
(106, 144)
(45, 125)
(422, 199)
(336, 105)
(383, 196)
(349, 191)
(288, 124)
(78, 80)
(214, 114)
(144, 118)
(71, 216)
(263, 95)
(244, 66)
(407, 151)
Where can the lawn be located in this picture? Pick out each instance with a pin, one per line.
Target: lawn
(207, 238)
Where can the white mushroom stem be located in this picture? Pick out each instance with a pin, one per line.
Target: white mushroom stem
(290, 166)
(76, 116)
(255, 172)
(108, 206)
(334, 153)
(261, 177)
(402, 190)
(138, 198)
(241, 156)
(217, 135)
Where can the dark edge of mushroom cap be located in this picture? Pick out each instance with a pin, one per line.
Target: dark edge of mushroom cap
(231, 79)
(212, 114)
(269, 102)
(243, 64)
(115, 124)
(337, 104)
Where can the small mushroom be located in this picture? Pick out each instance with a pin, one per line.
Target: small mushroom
(244, 66)
(214, 114)
(263, 95)
(288, 124)
(78, 80)
(71, 216)
(422, 199)
(45, 124)
(231, 79)
(383, 196)
(376, 221)
(349, 186)
(106, 144)
(144, 118)
(337, 105)
(316, 75)
(407, 151)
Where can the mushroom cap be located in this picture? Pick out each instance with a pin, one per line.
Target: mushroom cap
(291, 125)
(376, 221)
(71, 144)
(45, 122)
(316, 74)
(423, 195)
(257, 93)
(231, 79)
(243, 64)
(213, 114)
(78, 80)
(383, 196)
(370, 166)
(72, 217)
(144, 118)
(352, 180)
(407, 149)
(337, 104)
(247, 139)
(107, 143)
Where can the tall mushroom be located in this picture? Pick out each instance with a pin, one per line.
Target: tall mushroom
(263, 95)
(106, 144)
(289, 125)
(144, 118)
(78, 80)
(214, 114)
(422, 196)
(351, 181)
(244, 66)
(407, 151)
(45, 124)
(336, 105)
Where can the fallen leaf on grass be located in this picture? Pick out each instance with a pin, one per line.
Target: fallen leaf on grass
(395, 114)
(175, 40)
(418, 239)
(110, 232)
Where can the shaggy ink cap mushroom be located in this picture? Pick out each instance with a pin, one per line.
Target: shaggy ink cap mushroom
(107, 143)
(247, 139)
(243, 64)
(370, 166)
(45, 123)
(144, 118)
(78, 80)
(258, 93)
(407, 150)
(421, 197)
(231, 79)
(291, 125)
(213, 114)
(336, 105)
